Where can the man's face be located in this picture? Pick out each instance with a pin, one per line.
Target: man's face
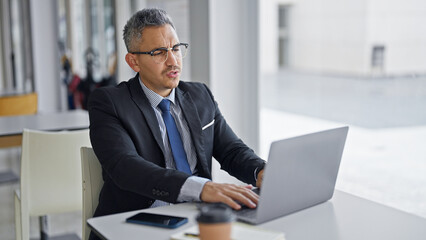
(159, 77)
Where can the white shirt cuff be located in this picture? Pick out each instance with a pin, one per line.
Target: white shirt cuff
(191, 189)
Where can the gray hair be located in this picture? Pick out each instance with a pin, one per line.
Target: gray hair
(132, 32)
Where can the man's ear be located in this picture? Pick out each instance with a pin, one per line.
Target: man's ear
(133, 62)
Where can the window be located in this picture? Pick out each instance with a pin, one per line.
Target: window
(336, 76)
(16, 54)
(282, 16)
(283, 36)
(377, 58)
(87, 46)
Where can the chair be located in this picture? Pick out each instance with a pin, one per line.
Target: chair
(92, 184)
(50, 176)
(23, 104)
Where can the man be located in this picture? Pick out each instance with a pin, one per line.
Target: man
(155, 135)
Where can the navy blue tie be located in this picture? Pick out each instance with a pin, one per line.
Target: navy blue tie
(175, 141)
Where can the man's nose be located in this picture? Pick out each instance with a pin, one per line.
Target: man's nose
(171, 59)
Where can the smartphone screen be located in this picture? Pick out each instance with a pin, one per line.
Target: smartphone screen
(157, 220)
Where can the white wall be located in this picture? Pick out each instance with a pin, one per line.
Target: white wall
(328, 36)
(399, 25)
(337, 36)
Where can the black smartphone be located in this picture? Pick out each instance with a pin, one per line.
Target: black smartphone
(157, 220)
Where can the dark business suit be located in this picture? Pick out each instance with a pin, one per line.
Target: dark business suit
(126, 138)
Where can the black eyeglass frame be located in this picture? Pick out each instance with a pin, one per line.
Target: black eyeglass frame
(162, 48)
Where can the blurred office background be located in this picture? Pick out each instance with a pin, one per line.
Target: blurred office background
(277, 68)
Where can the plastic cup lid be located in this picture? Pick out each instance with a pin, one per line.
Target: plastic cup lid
(215, 214)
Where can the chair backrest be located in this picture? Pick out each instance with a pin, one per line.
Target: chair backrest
(23, 104)
(51, 171)
(92, 185)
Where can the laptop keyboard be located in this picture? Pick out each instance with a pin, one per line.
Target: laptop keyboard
(246, 212)
(256, 190)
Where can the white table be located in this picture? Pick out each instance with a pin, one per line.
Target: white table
(11, 129)
(343, 217)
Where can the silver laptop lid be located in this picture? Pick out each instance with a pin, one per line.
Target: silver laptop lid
(301, 172)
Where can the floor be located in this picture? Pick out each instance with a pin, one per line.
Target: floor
(384, 158)
(384, 165)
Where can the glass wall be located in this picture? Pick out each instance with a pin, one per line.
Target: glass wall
(87, 47)
(16, 67)
(356, 63)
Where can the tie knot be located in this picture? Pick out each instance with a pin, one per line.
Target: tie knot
(164, 105)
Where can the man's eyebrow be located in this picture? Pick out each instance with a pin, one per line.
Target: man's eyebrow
(157, 48)
(166, 47)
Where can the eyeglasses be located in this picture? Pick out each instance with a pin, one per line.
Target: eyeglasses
(160, 55)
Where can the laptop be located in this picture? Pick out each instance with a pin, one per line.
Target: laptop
(301, 172)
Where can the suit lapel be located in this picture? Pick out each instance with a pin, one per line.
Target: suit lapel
(143, 104)
(191, 115)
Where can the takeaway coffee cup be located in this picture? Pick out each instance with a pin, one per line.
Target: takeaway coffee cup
(215, 222)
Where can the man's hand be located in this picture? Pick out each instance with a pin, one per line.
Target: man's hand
(259, 178)
(228, 194)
